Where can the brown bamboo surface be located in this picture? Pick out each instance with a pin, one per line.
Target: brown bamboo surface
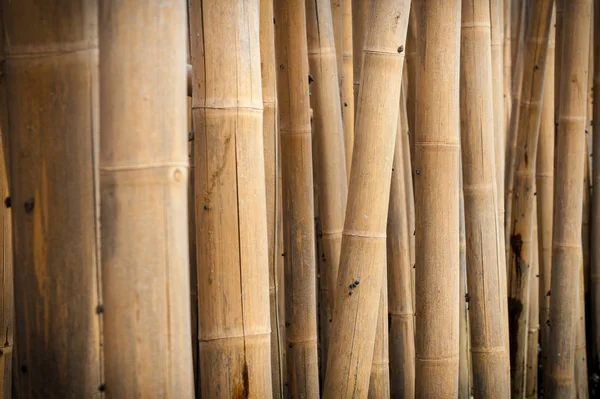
(507, 57)
(6, 278)
(581, 371)
(531, 376)
(336, 12)
(411, 73)
(464, 362)
(379, 381)
(348, 82)
(361, 10)
(595, 239)
(51, 82)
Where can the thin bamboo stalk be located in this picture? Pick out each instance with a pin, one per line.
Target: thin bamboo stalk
(361, 11)
(484, 263)
(379, 381)
(595, 238)
(271, 155)
(363, 243)
(399, 268)
(336, 12)
(566, 240)
(411, 84)
(298, 200)
(534, 320)
(51, 80)
(348, 82)
(437, 198)
(522, 216)
(329, 142)
(560, 10)
(581, 371)
(6, 280)
(465, 369)
(508, 72)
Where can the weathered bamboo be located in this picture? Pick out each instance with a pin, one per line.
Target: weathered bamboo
(51, 76)
(534, 320)
(363, 243)
(400, 304)
(272, 188)
(507, 56)
(6, 279)
(379, 381)
(566, 239)
(328, 132)
(437, 198)
(361, 11)
(298, 200)
(484, 263)
(560, 10)
(464, 361)
(595, 239)
(336, 13)
(522, 216)
(411, 82)
(347, 83)
(581, 372)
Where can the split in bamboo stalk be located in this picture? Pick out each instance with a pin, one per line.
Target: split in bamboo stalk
(465, 368)
(379, 382)
(595, 239)
(437, 197)
(298, 202)
(566, 239)
(363, 244)
(347, 83)
(531, 380)
(51, 75)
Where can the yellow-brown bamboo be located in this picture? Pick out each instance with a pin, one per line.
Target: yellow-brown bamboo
(50, 72)
(507, 56)
(347, 83)
(411, 74)
(595, 238)
(437, 173)
(531, 383)
(298, 200)
(399, 268)
(272, 188)
(464, 362)
(336, 12)
(361, 10)
(581, 371)
(379, 381)
(560, 10)
(363, 243)
(484, 263)
(566, 239)
(6, 278)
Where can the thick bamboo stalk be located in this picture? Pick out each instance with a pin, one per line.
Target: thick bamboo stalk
(51, 75)
(144, 174)
(581, 371)
(361, 11)
(595, 239)
(534, 320)
(328, 131)
(271, 155)
(298, 200)
(522, 216)
(363, 243)
(379, 381)
(566, 239)
(347, 83)
(464, 362)
(6, 279)
(483, 231)
(437, 198)
(544, 188)
(399, 268)
(336, 12)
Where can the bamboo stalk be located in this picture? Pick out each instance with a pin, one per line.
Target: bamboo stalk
(363, 243)
(560, 10)
(411, 73)
(298, 202)
(271, 155)
(465, 369)
(508, 71)
(348, 82)
(437, 198)
(581, 372)
(595, 238)
(336, 12)
(484, 263)
(379, 381)
(399, 268)
(531, 375)
(361, 11)
(566, 240)
(522, 216)
(6, 279)
(51, 80)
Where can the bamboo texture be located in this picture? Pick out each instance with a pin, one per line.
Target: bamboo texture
(411, 73)
(363, 242)
(464, 361)
(51, 80)
(6, 278)
(595, 238)
(531, 375)
(298, 201)
(437, 172)
(581, 372)
(361, 10)
(379, 381)
(336, 12)
(566, 239)
(507, 58)
(348, 82)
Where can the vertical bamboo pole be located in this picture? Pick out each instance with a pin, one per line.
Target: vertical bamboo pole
(379, 382)
(298, 201)
(361, 10)
(534, 320)
(544, 187)
(595, 239)
(363, 243)
(336, 12)
(522, 216)
(400, 304)
(560, 10)
(508, 72)
(328, 131)
(144, 174)
(51, 75)
(581, 372)
(271, 155)
(464, 361)
(6, 279)
(411, 73)
(347, 83)
(437, 198)
(232, 236)
(484, 263)
(566, 239)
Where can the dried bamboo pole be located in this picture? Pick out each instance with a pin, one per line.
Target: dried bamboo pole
(336, 12)
(399, 268)
(508, 71)
(272, 187)
(484, 263)
(144, 184)
(560, 10)
(531, 381)
(581, 372)
(566, 240)
(379, 381)
(50, 72)
(363, 243)
(544, 188)
(298, 200)
(348, 82)
(411, 82)
(522, 216)
(361, 11)
(6, 278)
(437, 192)
(328, 131)
(465, 369)
(595, 238)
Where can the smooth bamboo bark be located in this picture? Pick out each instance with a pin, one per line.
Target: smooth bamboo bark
(399, 268)
(298, 200)
(363, 243)
(51, 75)
(6, 280)
(595, 239)
(348, 82)
(534, 320)
(272, 187)
(464, 361)
(437, 198)
(566, 239)
(336, 12)
(544, 188)
(379, 382)
(581, 371)
(527, 133)
(361, 11)
(484, 263)
(328, 132)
